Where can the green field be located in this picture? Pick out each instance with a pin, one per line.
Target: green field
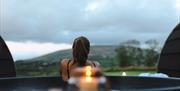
(128, 73)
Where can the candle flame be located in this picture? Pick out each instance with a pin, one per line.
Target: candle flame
(124, 74)
(88, 68)
(88, 71)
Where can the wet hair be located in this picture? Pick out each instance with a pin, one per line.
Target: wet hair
(81, 47)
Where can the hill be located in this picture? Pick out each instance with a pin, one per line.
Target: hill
(48, 64)
(96, 51)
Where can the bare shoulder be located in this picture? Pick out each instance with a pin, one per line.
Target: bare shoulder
(63, 68)
(64, 61)
(97, 63)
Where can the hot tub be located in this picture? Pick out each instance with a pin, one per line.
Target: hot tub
(144, 83)
(117, 83)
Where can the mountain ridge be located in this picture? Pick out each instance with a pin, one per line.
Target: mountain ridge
(99, 51)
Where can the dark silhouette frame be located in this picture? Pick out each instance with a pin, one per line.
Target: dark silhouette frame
(169, 61)
(7, 67)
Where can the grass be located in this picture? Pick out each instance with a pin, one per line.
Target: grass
(128, 73)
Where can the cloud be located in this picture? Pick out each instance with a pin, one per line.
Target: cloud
(102, 21)
(25, 50)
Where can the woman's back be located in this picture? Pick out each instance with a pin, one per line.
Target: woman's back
(80, 51)
(67, 65)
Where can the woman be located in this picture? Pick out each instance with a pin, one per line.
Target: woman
(80, 51)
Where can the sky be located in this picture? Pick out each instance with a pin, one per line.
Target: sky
(36, 27)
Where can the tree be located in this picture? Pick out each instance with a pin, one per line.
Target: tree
(129, 53)
(122, 55)
(153, 45)
(152, 52)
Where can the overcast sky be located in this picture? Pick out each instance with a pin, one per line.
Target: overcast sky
(39, 23)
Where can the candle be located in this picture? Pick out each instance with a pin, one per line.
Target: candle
(88, 84)
(87, 79)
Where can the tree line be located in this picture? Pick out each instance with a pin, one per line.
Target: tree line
(134, 53)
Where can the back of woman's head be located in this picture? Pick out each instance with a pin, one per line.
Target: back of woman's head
(81, 47)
